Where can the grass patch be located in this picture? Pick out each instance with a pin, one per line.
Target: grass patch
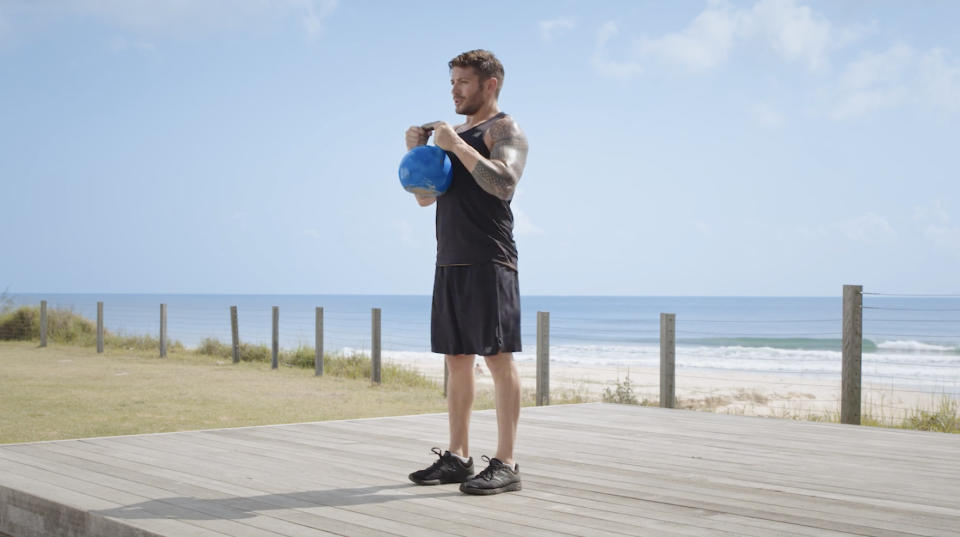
(351, 366)
(944, 416)
(64, 392)
(66, 327)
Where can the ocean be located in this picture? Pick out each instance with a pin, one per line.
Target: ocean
(909, 342)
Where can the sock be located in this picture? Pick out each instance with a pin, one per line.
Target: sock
(464, 460)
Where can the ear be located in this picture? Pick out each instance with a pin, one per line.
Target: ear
(491, 85)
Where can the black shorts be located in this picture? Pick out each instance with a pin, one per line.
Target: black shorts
(476, 310)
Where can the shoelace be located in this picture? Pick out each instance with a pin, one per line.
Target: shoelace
(439, 453)
(487, 472)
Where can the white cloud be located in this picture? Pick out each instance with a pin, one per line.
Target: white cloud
(897, 77)
(940, 78)
(873, 82)
(935, 224)
(523, 226)
(314, 233)
(766, 116)
(702, 227)
(609, 67)
(870, 228)
(705, 43)
(550, 29)
(315, 13)
(790, 29)
(793, 31)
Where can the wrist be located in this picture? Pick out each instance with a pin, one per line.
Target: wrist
(460, 146)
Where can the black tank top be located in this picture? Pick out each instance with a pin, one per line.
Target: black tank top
(473, 226)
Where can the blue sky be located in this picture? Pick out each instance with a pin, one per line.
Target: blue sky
(682, 148)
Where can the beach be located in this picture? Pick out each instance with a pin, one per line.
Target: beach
(732, 392)
(767, 356)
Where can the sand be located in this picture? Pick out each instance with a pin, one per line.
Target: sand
(753, 394)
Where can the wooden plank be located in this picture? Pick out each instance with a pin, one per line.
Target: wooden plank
(130, 459)
(672, 473)
(122, 499)
(254, 447)
(616, 473)
(350, 475)
(194, 483)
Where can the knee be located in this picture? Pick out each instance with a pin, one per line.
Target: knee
(460, 363)
(500, 363)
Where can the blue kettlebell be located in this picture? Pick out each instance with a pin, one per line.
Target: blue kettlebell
(426, 170)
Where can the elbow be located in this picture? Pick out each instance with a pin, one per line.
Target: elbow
(509, 188)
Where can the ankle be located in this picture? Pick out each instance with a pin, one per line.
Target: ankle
(458, 455)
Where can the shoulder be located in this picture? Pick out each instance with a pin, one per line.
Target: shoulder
(505, 128)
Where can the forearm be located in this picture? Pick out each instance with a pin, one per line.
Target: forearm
(494, 177)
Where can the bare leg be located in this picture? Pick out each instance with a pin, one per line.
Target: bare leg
(460, 389)
(506, 381)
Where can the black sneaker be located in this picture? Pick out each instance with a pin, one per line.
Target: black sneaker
(447, 469)
(494, 479)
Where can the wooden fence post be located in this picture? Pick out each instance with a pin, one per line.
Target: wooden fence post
(375, 346)
(235, 333)
(43, 323)
(318, 347)
(275, 347)
(668, 356)
(163, 330)
(543, 358)
(852, 354)
(99, 327)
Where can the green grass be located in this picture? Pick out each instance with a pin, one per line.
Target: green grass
(64, 391)
(353, 366)
(64, 326)
(68, 390)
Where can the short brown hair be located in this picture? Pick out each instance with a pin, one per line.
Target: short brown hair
(483, 62)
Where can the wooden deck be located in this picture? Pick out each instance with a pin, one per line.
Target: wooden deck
(594, 469)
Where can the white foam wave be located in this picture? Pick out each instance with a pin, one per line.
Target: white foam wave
(913, 346)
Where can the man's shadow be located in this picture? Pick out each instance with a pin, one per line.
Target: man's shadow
(187, 508)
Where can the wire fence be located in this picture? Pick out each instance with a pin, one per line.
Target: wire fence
(733, 351)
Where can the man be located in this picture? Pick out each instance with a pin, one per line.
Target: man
(476, 296)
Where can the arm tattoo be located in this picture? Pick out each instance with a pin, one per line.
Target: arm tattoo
(500, 174)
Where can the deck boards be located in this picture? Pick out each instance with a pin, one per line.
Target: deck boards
(593, 469)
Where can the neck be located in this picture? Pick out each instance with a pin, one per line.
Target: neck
(486, 112)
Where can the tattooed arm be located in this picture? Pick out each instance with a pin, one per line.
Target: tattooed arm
(499, 174)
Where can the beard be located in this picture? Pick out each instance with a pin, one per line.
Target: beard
(469, 107)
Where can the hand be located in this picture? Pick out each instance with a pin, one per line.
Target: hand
(446, 138)
(423, 200)
(417, 136)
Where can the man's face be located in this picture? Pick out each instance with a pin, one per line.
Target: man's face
(468, 92)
